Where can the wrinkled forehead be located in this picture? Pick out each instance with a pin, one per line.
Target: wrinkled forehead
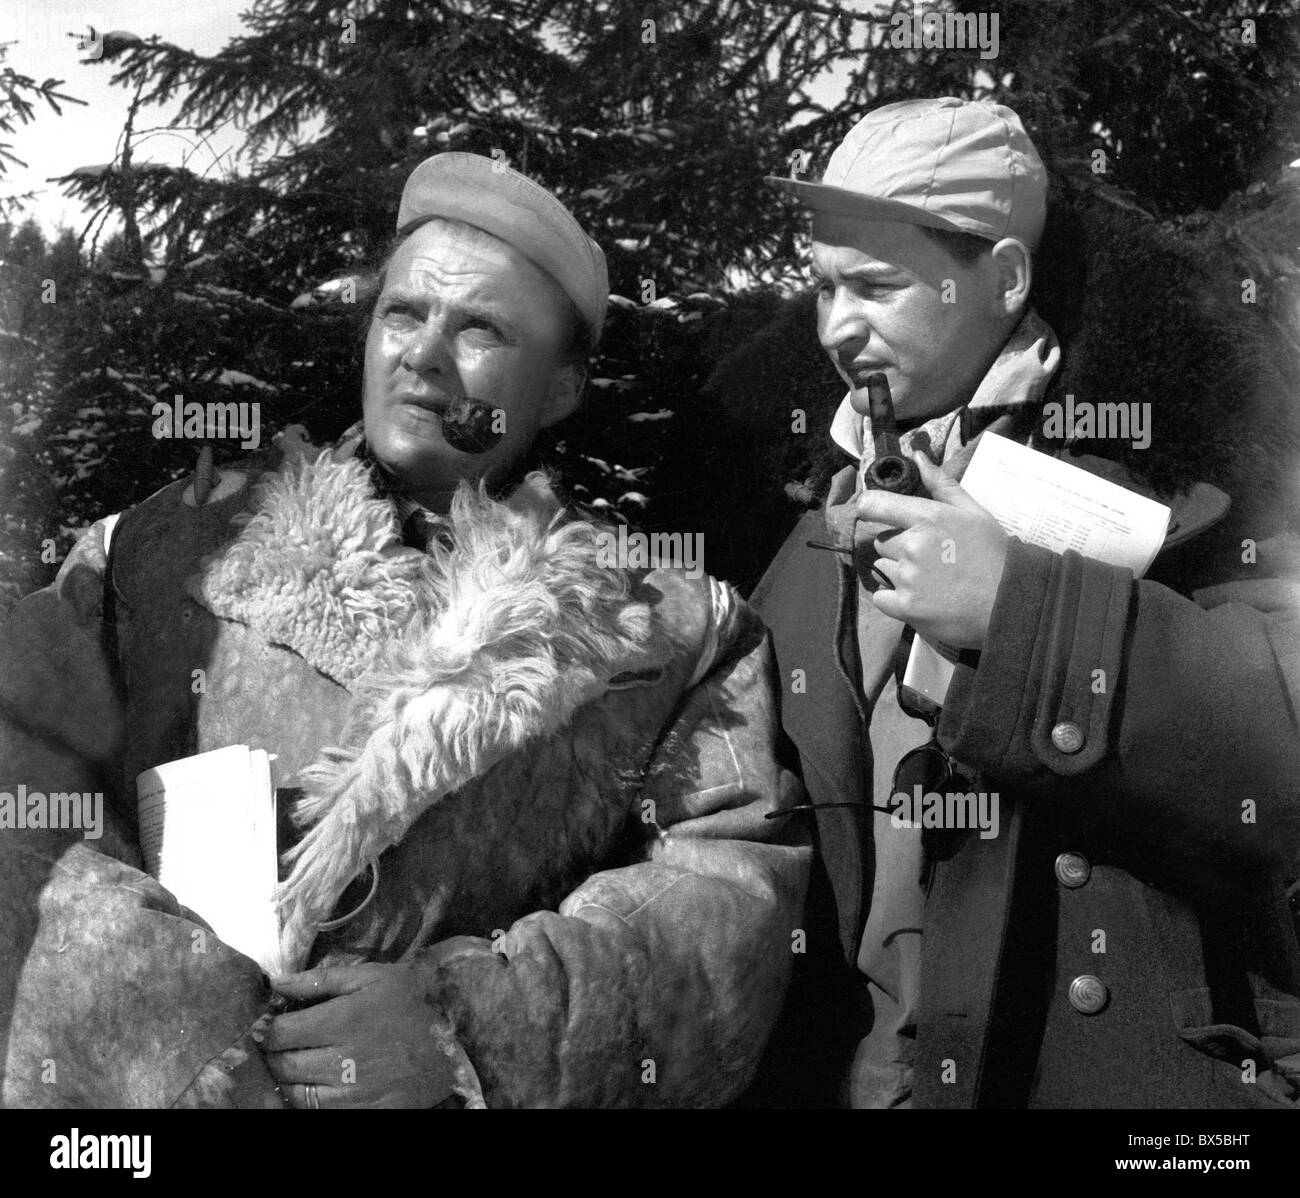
(452, 261)
(442, 256)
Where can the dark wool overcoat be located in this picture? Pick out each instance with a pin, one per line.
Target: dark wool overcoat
(1126, 940)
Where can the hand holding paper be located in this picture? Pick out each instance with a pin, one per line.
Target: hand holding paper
(1031, 495)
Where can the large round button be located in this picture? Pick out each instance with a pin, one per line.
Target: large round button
(1072, 870)
(1088, 994)
(1067, 737)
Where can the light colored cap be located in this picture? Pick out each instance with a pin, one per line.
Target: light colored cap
(963, 165)
(493, 197)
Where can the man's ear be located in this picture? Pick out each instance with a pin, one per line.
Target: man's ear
(566, 390)
(1015, 274)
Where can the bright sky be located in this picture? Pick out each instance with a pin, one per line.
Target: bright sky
(88, 135)
(53, 145)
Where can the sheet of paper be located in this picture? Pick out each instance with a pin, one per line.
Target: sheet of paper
(1047, 502)
(207, 833)
(927, 672)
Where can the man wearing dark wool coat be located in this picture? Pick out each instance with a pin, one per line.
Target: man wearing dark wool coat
(1124, 940)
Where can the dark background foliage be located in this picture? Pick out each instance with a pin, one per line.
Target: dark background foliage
(210, 287)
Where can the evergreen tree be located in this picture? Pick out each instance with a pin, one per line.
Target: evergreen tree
(655, 123)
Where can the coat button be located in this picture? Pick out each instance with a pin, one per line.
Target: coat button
(1088, 994)
(1072, 870)
(1067, 737)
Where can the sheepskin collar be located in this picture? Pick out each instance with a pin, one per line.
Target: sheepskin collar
(319, 566)
(455, 658)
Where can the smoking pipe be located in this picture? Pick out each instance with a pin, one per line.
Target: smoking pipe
(890, 470)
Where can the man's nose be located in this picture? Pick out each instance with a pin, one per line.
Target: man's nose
(842, 328)
(429, 348)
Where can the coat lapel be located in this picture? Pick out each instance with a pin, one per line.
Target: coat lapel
(812, 622)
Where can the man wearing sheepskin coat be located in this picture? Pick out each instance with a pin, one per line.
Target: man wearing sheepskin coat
(533, 868)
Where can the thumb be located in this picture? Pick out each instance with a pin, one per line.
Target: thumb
(323, 982)
(942, 488)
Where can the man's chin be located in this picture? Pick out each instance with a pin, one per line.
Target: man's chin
(426, 467)
(432, 478)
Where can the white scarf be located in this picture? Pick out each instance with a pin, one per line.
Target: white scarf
(1018, 377)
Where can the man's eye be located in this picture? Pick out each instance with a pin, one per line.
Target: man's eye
(479, 324)
(396, 310)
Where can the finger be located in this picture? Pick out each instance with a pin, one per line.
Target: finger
(890, 571)
(315, 1027)
(898, 511)
(889, 603)
(890, 544)
(842, 485)
(942, 488)
(865, 534)
(325, 982)
(325, 1097)
(321, 1065)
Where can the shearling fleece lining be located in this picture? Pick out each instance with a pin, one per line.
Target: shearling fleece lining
(519, 626)
(318, 566)
(525, 627)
